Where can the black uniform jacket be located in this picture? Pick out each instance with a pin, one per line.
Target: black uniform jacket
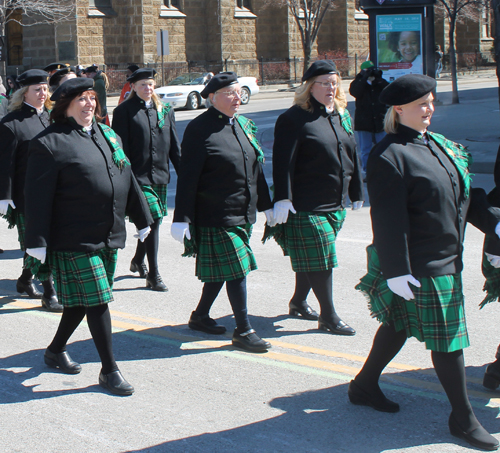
(418, 207)
(76, 197)
(16, 130)
(315, 162)
(493, 245)
(370, 112)
(220, 182)
(147, 146)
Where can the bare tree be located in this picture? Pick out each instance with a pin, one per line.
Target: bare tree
(456, 10)
(308, 15)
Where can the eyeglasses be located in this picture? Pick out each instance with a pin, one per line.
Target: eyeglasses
(327, 84)
(231, 94)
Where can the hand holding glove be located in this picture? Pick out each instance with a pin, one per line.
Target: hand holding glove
(40, 253)
(143, 234)
(281, 210)
(399, 286)
(270, 217)
(494, 260)
(357, 205)
(180, 229)
(4, 206)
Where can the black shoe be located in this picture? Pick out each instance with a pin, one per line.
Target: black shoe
(205, 324)
(51, 303)
(250, 341)
(28, 288)
(340, 329)
(141, 268)
(491, 379)
(478, 437)
(378, 401)
(155, 283)
(62, 361)
(115, 383)
(305, 311)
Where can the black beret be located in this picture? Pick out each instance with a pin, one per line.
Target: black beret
(72, 87)
(141, 74)
(133, 67)
(218, 81)
(406, 89)
(320, 67)
(59, 74)
(93, 68)
(32, 77)
(54, 66)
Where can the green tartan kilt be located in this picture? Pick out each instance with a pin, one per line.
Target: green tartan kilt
(492, 278)
(84, 279)
(309, 239)
(436, 316)
(156, 196)
(222, 254)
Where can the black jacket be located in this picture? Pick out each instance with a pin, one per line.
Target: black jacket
(16, 131)
(418, 207)
(76, 197)
(220, 182)
(148, 147)
(315, 162)
(493, 245)
(370, 112)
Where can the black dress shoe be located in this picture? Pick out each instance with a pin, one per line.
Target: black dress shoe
(205, 324)
(139, 267)
(62, 361)
(28, 288)
(250, 341)
(155, 283)
(491, 379)
(51, 303)
(115, 383)
(341, 328)
(305, 311)
(478, 437)
(378, 401)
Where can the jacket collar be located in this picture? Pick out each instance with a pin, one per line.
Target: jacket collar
(412, 134)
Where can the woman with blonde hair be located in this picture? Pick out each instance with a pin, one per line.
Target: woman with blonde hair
(315, 169)
(29, 115)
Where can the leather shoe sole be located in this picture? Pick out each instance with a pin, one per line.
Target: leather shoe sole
(29, 289)
(51, 304)
(478, 437)
(63, 361)
(115, 383)
(340, 329)
(360, 397)
(250, 341)
(141, 268)
(156, 284)
(305, 312)
(205, 324)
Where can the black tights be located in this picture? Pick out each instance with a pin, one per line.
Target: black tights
(48, 285)
(150, 247)
(449, 366)
(99, 321)
(237, 294)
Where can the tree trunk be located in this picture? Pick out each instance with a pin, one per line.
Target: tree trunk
(307, 46)
(453, 62)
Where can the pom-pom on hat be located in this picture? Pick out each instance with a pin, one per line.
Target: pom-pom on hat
(141, 74)
(72, 87)
(32, 77)
(218, 81)
(406, 89)
(320, 67)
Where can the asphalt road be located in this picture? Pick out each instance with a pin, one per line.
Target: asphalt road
(196, 393)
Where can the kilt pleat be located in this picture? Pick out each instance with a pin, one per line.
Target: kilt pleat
(156, 196)
(83, 279)
(436, 316)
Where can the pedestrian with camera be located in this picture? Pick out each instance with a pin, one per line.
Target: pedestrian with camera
(370, 112)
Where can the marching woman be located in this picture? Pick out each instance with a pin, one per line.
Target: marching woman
(220, 186)
(147, 129)
(421, 199)
(79, 188)
(28, 117)
(315, 169)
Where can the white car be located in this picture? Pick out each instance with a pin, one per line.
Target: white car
(184, 91)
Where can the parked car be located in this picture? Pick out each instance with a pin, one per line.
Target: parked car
(184, 91)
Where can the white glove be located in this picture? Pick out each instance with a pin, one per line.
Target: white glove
(494, 260)
(39, 253)
(399, 286)
(270, 217)
(180, 229)
(357, 205)
(143, 234)
(281, 210)
(4, 205)
(497, 228)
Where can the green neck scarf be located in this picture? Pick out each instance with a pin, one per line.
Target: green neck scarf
(250, 130)
(119, 157)
(459, 155)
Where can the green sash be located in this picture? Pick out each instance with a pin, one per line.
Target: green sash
(119, 157)
(345, 121)
(162, 113)
(250, 130)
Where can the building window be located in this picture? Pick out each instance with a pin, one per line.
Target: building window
(172, 8)
(172, 4)
(243, 4)
(486, 22)
(243, 10)
(99, 8)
